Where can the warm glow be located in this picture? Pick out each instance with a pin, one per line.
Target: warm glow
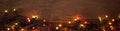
(44, 20)
(100, 19)
(113, 20)
(60, 25)
(75, 19)
(22, 29)
(6, 11)
(33, 27)
(44, 25)
(16, 23)
(81, 25)
(8, 29)
(14, 9)
(57, 28)
(111, 27)
(106, 16)
(34, 16)
(69, 22)
(28, 19)
(85, 22)
(110, 23)
(13, 26)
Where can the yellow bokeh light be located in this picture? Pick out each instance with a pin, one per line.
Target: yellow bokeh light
(75, 19)
(16, 23)
(113, 20)
(100, 19)
(82, 25)
(14, 9)
(34, 16)
(111, 27)
(57, 28)
(106, 16)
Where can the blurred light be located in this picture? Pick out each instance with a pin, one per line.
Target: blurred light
(33, 27)
(8, 29)
(28, 19)
(113, 20)
(57, 28)
(35, 17)
(16, 23)
(13, 26)
(22, 29)
(100, 19)
(110, 23)
(85, 22)
(44, 20)
(75, 19)
(103, 29)
(111, 27)
(119, 16)
(44, 25)
(6, 11)
(106, 16)
(69, 22)
(81, 25)
(60, 25)
(14, 9)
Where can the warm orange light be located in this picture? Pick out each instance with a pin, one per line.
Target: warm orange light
(110, 23)
(28, 19)
(111, 27)
(6, 11)
(60, 25)
(69, 22)
(100, 19)
(22, 29)
(82, 25)
(113, 20)
(106, 16)
(57, 28)
(8, 29)
(16, 23)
